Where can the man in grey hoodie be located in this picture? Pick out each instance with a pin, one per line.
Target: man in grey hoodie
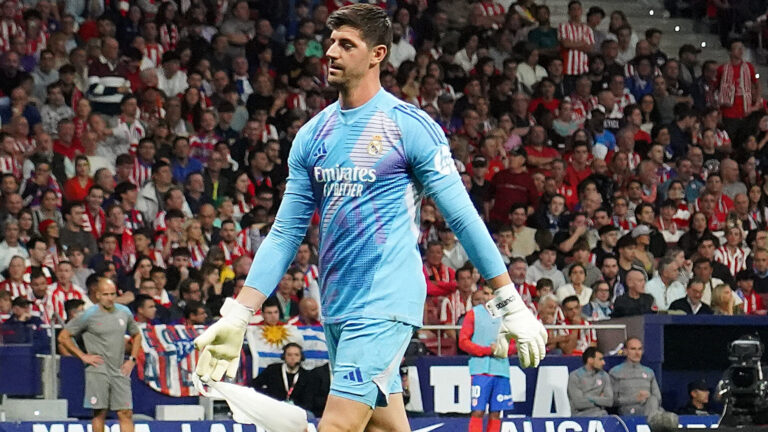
(589, 387)
(544, 267)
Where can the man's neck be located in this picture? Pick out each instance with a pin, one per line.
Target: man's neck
(353, 97)
(292, 370)
(73, 227)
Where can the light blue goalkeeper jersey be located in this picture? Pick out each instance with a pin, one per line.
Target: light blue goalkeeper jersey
(366, 170)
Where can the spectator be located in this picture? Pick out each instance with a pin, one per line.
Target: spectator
(699, 399)
(6, 306)
(665, 287)
(599, 307)
(512, 185)
(739, 91)
(10, 246)
(146, 308)
(635, 301)
(723, 302)
(544, 267)
(577, 40)
(692, 303)
(752, 303)
(576, 341)
(589, 387)
(577, 288)
(488, 366)
(289, 305)
(195, 314)
(309, 313)
(272, 380)
(635, 390)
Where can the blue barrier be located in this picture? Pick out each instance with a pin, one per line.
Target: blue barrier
(15, 380)
(436, 424)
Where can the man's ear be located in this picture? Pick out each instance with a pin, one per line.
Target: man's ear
(379, 53)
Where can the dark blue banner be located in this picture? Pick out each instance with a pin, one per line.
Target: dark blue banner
(604, 424)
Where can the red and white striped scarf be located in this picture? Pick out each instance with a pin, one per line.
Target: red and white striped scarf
(17, 289)
(8, 30)
(154, 52)
(198, 253)
(9, 165)
(95, 224)
(231, 254)
(169, 36)
(728, 90)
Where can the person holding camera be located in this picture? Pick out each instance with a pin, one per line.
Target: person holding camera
(286, 381)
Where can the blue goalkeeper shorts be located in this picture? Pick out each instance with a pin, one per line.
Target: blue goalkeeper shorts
(491, 391)
(365, 356)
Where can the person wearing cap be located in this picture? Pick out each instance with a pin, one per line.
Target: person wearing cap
(22, 326)
(699, 398)
(609, 235)
(688, 63)
(481, 192)
(513, 185)
(665, 287)
(589, 387)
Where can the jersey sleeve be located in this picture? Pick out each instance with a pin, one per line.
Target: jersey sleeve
(279, 248)
(80, 324)
(430, 159)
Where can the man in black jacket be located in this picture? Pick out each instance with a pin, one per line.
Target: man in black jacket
(691, 304)
(286, 381)
(635, 301)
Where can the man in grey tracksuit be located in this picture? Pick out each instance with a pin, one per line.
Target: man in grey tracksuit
(589, 387)
(635, 389)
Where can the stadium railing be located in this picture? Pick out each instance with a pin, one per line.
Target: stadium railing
(597, 327)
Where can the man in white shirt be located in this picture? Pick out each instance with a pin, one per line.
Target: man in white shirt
(664, 287)
(171, 80)
(401, 49)
(11, 247)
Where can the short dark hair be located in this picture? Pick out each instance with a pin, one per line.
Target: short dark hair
(589, 353)
(270, 302)
(371, 21)
(191, 308)
(569, 299)
(142, 298)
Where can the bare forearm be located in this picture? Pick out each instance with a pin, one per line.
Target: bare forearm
(251, 297)
(136, 345)
(65, 339)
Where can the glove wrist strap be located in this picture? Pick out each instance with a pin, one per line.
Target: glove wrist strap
(506, 301)
(235, 311)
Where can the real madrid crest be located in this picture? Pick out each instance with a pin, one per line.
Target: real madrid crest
(374, 147)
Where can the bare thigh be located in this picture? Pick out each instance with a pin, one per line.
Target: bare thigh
(390, 418)
(344, 415)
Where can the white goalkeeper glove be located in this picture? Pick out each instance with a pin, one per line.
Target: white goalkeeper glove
(517, 322)
(222, 342)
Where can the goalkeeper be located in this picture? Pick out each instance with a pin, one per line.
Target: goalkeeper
(365, 162)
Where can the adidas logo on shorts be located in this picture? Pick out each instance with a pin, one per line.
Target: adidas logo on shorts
(354, 376)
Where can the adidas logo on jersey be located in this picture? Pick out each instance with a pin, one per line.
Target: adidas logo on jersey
(354, 376)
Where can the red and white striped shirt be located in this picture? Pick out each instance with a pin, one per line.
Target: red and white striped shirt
(312, 273)
(17, 289)
(9, 165)
(492, 9)
(750, 303)
(452, 307)
(159, 223)
(141, 172)
(269, 132)
(22, 146)
(8, 30)
(126, 248)
(201, 146)
(585, 339)
(95, 224)
(156, 256)
(233, 253)
(61, 295)
(735, 260)
(169, 36)
(154, 52)
(721, 138)
(36, 45)
(575, 62)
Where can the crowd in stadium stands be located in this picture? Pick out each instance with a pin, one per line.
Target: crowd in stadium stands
(148, 142)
